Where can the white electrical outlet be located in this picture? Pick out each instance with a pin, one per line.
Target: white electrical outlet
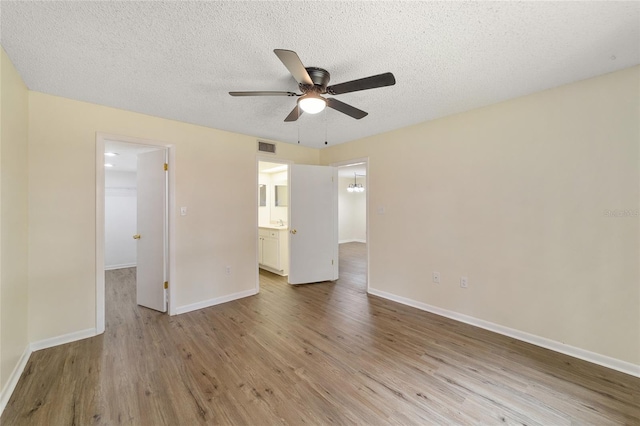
(464, 282)
(228, 270)
(436, 277)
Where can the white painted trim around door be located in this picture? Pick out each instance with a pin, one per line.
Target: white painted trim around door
(364, 160)
(264, 158)
(100, 266)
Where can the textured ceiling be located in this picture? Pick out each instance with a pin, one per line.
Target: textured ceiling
(178, 60)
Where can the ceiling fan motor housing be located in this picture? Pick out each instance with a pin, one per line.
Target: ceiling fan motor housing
(320, 78)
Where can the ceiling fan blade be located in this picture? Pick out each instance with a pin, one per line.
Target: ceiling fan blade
(293, 63)
(380, 80)
(263, 93)
(346, 108)
(294, 114)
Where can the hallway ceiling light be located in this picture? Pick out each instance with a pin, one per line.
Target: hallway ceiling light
(355, 186)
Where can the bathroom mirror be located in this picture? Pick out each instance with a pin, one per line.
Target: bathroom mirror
(281, 196)
(262, 193)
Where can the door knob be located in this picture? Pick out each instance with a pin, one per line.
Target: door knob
(136, 237)
(293, 231)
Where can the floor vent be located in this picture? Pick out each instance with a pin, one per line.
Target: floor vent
(267, 147)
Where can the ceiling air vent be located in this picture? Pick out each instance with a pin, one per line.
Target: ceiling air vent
(266, 147)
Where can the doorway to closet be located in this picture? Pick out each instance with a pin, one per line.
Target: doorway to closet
(132, 217)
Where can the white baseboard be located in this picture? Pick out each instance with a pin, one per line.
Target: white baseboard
(273, 270)
(61, 340)
(352, 241)
(124, 265)
(36, 346)
(605, 361)
(215, 301)
(10, 386)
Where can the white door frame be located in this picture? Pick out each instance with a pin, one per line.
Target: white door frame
(100, 285)
(364, 160)
(267, 159)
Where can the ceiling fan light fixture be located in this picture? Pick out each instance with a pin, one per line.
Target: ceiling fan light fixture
(312, 103)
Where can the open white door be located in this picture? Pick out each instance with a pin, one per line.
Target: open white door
(313, 224)
(152, 220)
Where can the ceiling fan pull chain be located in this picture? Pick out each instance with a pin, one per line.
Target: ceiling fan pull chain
(325, 127)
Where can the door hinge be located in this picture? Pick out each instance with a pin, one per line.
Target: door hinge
(166, 167)
(332, 261)
(166, 284)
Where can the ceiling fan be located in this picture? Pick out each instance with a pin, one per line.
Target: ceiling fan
(313, 82)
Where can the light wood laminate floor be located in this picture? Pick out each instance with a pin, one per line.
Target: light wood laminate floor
(314, 354)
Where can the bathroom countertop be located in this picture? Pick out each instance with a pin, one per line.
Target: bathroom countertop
(285, 227)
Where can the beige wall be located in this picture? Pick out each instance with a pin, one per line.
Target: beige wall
(514, 197)
(219, 230)
(13, 218)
